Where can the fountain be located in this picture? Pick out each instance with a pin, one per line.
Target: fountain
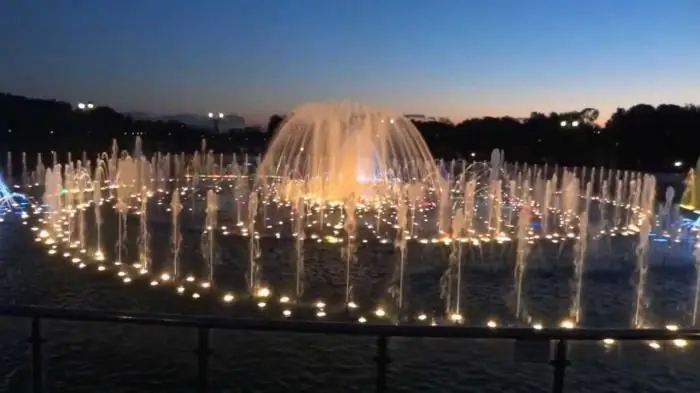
(348, 215)
(346, 151)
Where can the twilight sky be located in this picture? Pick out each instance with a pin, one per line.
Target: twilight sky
(456, 58)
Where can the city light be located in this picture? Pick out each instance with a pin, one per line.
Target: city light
(573, 124)
(220, 115)
(678, 164)
(85, 106)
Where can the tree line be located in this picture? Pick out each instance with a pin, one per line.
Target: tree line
(642, 137)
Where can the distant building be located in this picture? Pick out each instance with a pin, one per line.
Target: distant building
(427, 119)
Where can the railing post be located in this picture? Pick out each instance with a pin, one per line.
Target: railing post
(382, 359)
(37, 368)
(203, 351)
(560, 364)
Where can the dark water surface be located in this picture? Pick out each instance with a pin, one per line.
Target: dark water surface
(94, 357)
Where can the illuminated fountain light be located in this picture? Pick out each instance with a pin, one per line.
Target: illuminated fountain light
(228, 298)
(567, 324)
(263, 292)
(680, 343)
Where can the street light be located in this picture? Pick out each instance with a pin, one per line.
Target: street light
(573, 124)
(83, 106)
(216, 118)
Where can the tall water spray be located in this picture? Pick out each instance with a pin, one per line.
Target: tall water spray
(299, 236)
(25, 172)
(211, 219)
(397, 289)
(522, 248)
(81, 183)
(144, 240)
(175, 236)
(642, 266)
(194, 180)
(122, 209)
(98, 180)
(253, 245)
(452, 278)
(494, 195)
(52, 194)
(580, 248)
(125, 180)
(68, 200)
(40, 171)
(349, 250)
(112, 162)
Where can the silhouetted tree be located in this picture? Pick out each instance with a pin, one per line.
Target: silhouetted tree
(641, 137)
(273, 123)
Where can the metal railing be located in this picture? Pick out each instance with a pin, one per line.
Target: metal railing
(204, 324)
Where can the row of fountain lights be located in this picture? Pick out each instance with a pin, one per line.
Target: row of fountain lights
(262, 294)
(474, 239)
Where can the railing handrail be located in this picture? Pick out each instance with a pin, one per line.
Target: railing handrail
(345, 328)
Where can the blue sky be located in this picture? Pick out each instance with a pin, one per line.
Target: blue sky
(456, 58)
